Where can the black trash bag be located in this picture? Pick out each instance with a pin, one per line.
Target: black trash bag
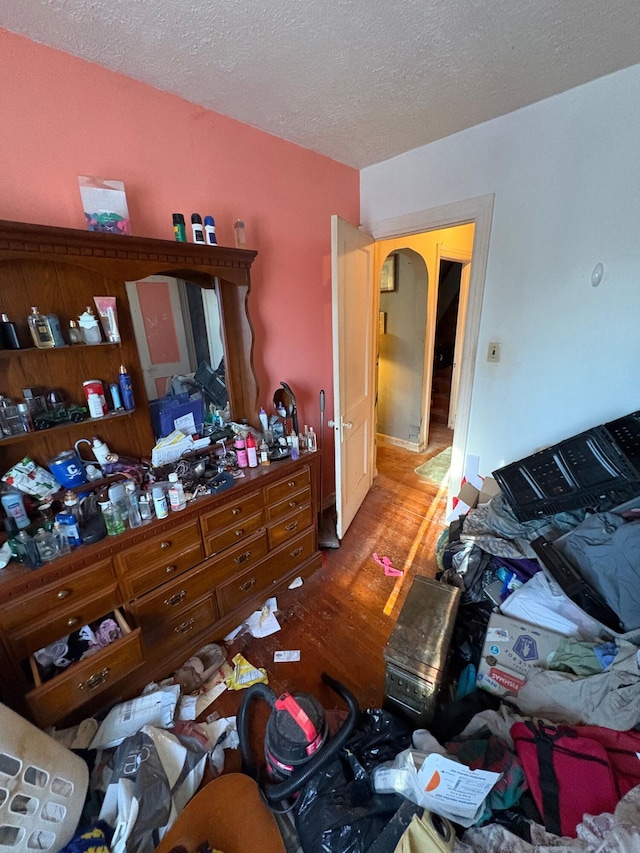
(338, 811)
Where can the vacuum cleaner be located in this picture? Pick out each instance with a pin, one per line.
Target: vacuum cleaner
(296, 743)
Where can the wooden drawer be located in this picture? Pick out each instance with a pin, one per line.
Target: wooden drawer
(53, 700)
(288, 486)
(289, 526)
(237, 559)
(172, 599)
(239, 531)
(230, 514)
(235, 591)
(61, 594)
(155, 561)
(62, 621)
(289, 504)
(169, 635)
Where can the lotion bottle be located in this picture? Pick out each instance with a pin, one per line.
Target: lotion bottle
(196, 228)
(241, 452)
(252, 453)
(210, 231)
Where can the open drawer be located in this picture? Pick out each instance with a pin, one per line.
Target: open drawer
(51, 701)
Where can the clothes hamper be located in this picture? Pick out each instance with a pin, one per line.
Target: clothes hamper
(43, 786)
(417, 651)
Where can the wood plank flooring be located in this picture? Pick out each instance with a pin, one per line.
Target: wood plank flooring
(342, 616)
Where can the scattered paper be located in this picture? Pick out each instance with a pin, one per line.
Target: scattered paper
(127, 718)
(295, 583)
(210, 691)
(286, 656)
(452, 789)
(187, 709)
(222, 731)
(261, 623)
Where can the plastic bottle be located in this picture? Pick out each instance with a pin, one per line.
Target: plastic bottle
(135, 517)
(40, 329)
(13, 505)
(252, 453)
(312, 440)
(72, 505)
(56, 331)
(90, 327)
(241, 239)
(241, 453)
(176, 494)
(124, 381)
(112, 518)
(210, 231)
(100, 450)
(264, 420)
(28, 550)
(8, 334)
(94, 403)
(179, 228)
(196, 228)
(115, 396)
(92, 472)
(160, 502)
(70, 528)
(264, 453)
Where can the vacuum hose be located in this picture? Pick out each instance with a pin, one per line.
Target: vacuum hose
(275, 793)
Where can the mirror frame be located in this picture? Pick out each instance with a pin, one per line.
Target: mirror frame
(124, 258)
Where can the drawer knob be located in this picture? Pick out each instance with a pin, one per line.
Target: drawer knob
(236, 511)
(63, 593)
(73, 620)
(291, 483)
(178, 598)
(183, 627)
(170, 569)
(248, 585)
(165, 545)
(293, 503)
(292, 526)
(242, 558)
(296, 553)
(239, 532)
(95, 681)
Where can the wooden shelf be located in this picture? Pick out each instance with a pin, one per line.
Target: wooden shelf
(67, 425)
(19, 353)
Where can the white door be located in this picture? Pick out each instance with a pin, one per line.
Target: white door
(354, 303)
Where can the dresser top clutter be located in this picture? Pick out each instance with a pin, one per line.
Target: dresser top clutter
(168, 585)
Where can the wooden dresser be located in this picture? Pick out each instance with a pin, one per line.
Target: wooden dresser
(174, 584)
(171, 585)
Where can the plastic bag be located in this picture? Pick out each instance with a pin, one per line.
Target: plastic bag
(153, 775)
(338, 811)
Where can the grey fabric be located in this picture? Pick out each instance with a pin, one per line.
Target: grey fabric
(606, 550)
(495, 529)
(610, 698)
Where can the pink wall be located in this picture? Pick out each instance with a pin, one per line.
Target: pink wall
(63, 117)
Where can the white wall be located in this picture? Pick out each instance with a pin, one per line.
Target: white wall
(566, 178)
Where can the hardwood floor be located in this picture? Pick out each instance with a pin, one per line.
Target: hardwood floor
(341, 618)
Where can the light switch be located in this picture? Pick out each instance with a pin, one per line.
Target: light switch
(493, 353)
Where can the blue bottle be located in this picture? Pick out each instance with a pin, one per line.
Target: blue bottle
(124, 381)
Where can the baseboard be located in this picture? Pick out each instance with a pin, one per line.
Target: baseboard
(398, 442)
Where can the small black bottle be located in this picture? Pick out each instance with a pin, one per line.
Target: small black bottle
(8, 334)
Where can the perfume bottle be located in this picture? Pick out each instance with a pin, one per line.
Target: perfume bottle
(75, 335)
(90, 327)
(40, 329)
(8, 334)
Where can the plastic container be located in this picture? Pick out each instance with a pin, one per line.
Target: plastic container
(13, 505)
(241, 453)
(252, 452)
(176, 494)
(241, 239)
(44, 786)
(160, 502)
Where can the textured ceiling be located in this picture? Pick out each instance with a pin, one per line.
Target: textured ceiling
(357, 80)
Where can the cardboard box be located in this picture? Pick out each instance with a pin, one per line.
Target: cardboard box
(489, 489)
(510, 649)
